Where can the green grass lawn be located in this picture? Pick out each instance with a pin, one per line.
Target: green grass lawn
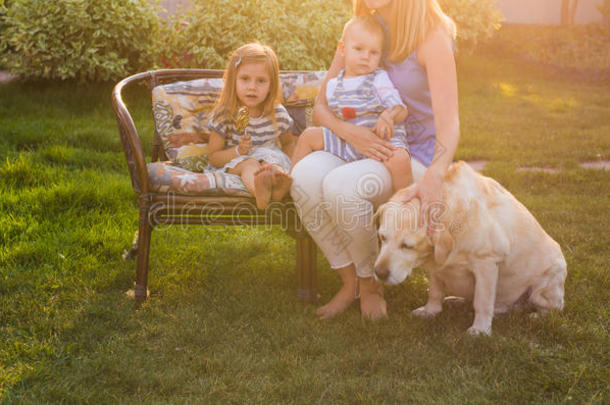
(223, 324)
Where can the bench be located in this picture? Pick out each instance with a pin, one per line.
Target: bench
(173, 185)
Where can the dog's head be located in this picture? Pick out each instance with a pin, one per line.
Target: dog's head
(403, 244)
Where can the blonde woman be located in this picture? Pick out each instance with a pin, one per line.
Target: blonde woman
(336, 200)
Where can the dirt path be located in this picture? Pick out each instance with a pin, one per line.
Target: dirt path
(6, 77)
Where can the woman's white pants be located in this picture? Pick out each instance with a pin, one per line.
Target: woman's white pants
(336, 202)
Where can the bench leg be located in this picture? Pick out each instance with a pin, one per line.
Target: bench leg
(144, 235)
(306, 269)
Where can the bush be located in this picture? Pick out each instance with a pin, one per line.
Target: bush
(106, 40)
(3, 11)
(476, 20)
(80, 39)
(577, 48)
(604, 8)
(303, 33)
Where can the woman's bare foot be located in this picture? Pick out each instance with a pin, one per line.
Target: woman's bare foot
(344, 297)
(339, 303)
(262, 186)
(372, 303)
(281, 185)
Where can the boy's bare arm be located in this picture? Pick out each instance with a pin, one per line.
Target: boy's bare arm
(395, 114)
(384, 128)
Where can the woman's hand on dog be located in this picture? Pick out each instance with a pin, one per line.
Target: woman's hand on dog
(428, 190)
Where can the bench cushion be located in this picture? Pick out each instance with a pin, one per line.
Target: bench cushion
(181, 112)
(166, 177)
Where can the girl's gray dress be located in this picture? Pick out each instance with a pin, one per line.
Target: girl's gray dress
(265, 142)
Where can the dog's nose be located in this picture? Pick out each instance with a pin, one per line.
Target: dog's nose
(382, 272)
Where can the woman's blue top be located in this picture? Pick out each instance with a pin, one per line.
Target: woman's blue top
(411, 80)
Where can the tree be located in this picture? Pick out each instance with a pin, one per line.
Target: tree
(568, 11)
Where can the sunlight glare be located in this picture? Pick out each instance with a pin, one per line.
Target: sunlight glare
(507, 89)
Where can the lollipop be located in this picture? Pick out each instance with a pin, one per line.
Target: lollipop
(241, 121)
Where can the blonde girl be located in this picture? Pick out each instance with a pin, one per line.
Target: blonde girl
(421, 65)
(251, 84)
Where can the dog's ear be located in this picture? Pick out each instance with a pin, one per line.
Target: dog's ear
(378, 215)
(443, 245)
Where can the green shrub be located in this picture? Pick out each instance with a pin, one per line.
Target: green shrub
(3, 11)
(476, 20)
(583, 48)
(80, 39)
(604, 8)
(303, 33)
(108, 39)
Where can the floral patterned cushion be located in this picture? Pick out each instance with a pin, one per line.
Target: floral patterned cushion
(181, 112)
(300, 90)
(166, 177)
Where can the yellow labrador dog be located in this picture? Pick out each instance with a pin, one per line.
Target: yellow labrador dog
(485, 246)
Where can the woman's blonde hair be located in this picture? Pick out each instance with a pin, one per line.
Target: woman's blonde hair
(228, 104)
(411, 22)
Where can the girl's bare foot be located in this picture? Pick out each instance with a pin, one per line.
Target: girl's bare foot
(262, 186)
(263, 167)
(344, 298)
(281, 185)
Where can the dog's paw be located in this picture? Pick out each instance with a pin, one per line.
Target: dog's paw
(423, 312)
(539, 313)
(474, 331)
